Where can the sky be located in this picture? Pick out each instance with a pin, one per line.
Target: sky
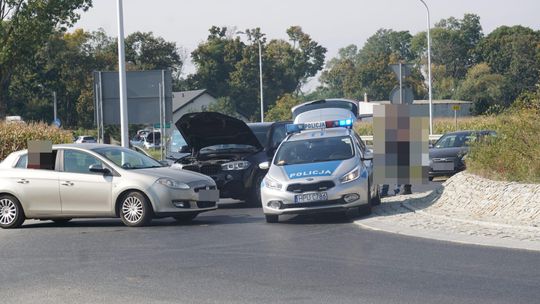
(333, 24)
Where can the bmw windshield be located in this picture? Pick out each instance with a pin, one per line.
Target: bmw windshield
(314, 150)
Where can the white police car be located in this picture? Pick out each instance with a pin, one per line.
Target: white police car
(319, 167)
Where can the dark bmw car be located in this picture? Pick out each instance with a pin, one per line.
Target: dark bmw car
(447, 154)
(229, 151)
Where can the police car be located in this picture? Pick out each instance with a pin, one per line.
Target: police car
(319, 167)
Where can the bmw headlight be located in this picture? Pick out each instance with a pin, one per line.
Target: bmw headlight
(171, 183)
(352, 175)
(272, 184)
(235, 165)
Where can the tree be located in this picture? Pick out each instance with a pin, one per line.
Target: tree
(453, 51)
(513, 52)
(25, 25)
(482, 87)
(282, 109)
(228, 67)
(355, 72)
(144, 51)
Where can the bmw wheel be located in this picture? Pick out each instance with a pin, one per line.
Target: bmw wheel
(135, 210)
(11, 212)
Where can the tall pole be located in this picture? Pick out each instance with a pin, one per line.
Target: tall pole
(122, 79)
(429, 70)
(54, 103)
(261, 80)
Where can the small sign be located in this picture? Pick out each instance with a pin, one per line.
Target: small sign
(456, 107)
(57, 122)
(158, 125)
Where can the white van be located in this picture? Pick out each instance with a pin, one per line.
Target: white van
(325, 109)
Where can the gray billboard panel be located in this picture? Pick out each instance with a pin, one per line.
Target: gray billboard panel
(143, 96)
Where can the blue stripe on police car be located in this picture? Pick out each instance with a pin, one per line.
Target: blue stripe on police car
(311, 169)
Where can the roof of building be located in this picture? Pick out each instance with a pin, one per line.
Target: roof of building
(434, 101)
(183, 98)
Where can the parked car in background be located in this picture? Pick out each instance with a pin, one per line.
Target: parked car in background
(152, 140)
(446, 156)
(85, 139)
(96, 180)
(229, 151)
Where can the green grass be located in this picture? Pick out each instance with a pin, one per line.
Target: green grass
(514, 154)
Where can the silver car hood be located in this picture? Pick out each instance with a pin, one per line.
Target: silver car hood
(180, 175)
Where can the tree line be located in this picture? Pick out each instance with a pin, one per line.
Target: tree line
(38, 56)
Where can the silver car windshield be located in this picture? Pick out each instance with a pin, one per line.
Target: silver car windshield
(314, 150)
(127, 159)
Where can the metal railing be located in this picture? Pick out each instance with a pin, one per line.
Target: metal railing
(432, 137)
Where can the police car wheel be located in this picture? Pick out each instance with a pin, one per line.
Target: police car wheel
(377, 199)
(364, 210)
(271, 218)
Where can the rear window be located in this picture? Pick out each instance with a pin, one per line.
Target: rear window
(314, 150)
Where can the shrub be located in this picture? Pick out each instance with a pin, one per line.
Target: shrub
(14, 136)
(514, 154)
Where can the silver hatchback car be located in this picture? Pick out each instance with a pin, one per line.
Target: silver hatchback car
(95, 180)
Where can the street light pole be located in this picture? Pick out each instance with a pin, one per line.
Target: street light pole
(429, 70)
(54, 105)
(122, 79)
(261, 80)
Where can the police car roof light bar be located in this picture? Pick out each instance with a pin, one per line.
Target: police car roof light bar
(296, 128)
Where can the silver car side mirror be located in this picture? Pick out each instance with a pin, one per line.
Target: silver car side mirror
(98, 169)
(264, 165)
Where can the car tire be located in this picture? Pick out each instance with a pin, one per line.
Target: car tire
(430, 178)
(377, 200)
(271, 218)
(61, 221)
(255, 193)
(364, 210)
(11, 212)
(185, 218)
(135, 210)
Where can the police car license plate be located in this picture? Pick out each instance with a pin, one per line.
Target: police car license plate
(311, 197)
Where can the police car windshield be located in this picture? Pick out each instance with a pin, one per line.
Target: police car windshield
(314, 150)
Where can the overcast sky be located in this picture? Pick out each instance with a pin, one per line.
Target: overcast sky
(332, 23)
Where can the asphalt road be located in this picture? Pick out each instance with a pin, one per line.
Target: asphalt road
(232, 256)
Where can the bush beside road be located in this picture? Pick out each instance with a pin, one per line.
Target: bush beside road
(14, 136)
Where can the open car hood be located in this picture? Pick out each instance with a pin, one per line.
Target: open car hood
(205, 129)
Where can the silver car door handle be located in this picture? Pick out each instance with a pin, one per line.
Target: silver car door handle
(67, 183)
(23, 181)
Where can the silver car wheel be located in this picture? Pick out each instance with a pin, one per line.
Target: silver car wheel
(132, 209)
(8, 211)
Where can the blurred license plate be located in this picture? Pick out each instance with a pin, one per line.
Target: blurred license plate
(443, 166)
(211, 195)
(311, 197)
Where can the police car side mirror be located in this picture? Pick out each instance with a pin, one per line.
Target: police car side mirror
(264, 165)
(368, 155)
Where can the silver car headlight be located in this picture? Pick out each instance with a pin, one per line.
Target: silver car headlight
(352, 175)
(174, 184)
(235, 165)
(272, 184)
